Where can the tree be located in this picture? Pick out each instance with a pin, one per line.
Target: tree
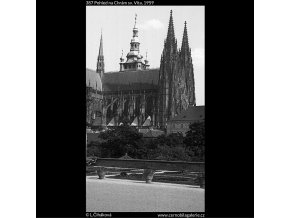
(94, 149)
(120, 140)
(195, 140)
(173, 139)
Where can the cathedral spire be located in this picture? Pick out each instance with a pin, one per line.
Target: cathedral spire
(170, 44)
(170, 32)
(167, 74)
(184, 46)
(101, 45)
(100, 61)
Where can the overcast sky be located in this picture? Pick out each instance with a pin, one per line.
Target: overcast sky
(117, 24)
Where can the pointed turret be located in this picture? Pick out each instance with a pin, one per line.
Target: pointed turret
(121, 62)
(100, 61)
(101, 46)
(146, 62)
(185, 46)
(186, 70)
(170, 33)
(170, 43)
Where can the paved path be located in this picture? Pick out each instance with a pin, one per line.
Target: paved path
(114, 195)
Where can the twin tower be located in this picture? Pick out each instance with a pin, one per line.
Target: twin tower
(160, 94)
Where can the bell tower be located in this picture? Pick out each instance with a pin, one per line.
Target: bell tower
(166, 72)
(187, 67)
(134, 58)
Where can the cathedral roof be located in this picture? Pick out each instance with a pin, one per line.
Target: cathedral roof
(192, 114)
(131, 80)
(93, 79)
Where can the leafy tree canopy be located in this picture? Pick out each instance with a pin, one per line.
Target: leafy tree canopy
(195, 139)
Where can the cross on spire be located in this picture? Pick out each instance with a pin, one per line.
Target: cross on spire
(100, 61)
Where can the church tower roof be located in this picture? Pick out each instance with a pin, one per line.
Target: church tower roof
(134, 58)
(101, 45)
(170, 33)
(100, 61)
(170, 43)
(185, 46)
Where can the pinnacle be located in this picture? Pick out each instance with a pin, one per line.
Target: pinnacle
(185, 28)
(185, 37)
(100, 60)
(101, 46)
(170, 33)
(184, 45)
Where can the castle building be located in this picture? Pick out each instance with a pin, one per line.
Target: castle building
(136, 93)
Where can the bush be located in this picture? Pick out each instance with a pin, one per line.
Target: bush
(121, 140)
(125, 139)
(94, 149)
(195, 140)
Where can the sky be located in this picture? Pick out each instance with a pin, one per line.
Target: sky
(116, 24)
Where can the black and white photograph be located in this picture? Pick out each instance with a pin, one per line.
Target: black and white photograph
(145, 109)
(122, 92)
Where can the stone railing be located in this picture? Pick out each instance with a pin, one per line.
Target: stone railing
(149, 166)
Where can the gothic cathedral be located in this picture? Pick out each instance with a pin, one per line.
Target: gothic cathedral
(138, 95)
